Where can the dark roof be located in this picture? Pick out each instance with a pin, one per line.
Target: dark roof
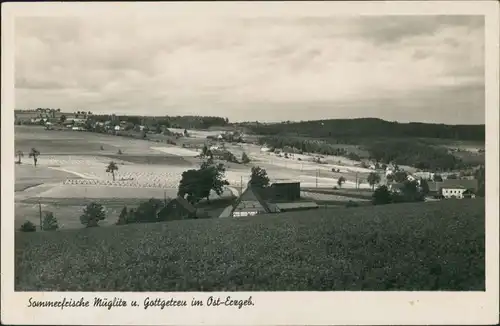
(283, 182)
(453, 183)
(251, 194)
(186, 204)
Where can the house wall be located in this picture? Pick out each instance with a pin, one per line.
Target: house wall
(176, 211)
(248, 208)
(286, 191)
(453, 192)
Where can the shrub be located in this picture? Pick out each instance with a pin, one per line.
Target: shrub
(50, 222)
(102, 148)
(28, 227)
(351, 203)
(92, 214)
(122, 218)
(244, 158)
(120, 151)
(382, 196)
(147, 211)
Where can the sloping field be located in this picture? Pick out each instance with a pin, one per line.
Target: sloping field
(424, 246)
(27, 176)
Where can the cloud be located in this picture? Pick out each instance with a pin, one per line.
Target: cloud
(226, 66)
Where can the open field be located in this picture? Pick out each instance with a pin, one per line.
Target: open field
(72, 166)
(418, 246)
(28, 176)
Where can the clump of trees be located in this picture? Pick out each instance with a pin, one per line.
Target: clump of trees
(259, 177)
(410, 192)
(197, 184)
(50, 222)
(28, 227)
(92, 214)
(373, 179)
(479, 175)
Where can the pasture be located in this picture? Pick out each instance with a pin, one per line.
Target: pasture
(401, 247)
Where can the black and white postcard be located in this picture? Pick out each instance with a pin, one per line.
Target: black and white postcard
(250, 163)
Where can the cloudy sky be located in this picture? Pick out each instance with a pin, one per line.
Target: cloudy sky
(266, 68)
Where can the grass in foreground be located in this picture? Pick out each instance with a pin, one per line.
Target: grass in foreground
(423, 246)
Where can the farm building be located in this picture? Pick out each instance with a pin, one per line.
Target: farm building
(177, 209)
(251, 202)
(453, 187)
(424, 175)
(284, 191)
(279, 197)
(453, 192)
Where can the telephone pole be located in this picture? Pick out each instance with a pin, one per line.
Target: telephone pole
(241, 184)
(316, 178)
(40, 212)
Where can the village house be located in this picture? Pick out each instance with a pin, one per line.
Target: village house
(424, 175)
(279, 197)
(251, 202)
(177, 209)
(453, 192)
(453, 188)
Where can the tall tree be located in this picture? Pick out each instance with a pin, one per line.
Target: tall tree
(424, 186)
(111, 168)
(198, 184)
(479, 175)
(341, 180)
(92, 214)
(259, 177)
(19, 155)
(34, 153)
(373, 179)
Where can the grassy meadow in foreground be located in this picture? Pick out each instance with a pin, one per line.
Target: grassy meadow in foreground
(418, 246)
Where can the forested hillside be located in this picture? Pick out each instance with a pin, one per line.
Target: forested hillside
(347, 129)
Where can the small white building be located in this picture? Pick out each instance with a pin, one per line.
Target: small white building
(265, 149)
(453, 192)
(117, 128)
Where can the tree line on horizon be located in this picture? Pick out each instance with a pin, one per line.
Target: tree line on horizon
(369, 127)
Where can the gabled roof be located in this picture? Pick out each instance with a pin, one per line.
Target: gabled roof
(185, 204)
(453, 187)
(253, 193)
(453, 183)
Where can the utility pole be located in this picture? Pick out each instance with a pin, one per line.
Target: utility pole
(316, 178)
(356, 180)
(40, 211)
(164, 198)
(241, 184)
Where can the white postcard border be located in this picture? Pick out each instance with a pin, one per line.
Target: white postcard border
(271, 308)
